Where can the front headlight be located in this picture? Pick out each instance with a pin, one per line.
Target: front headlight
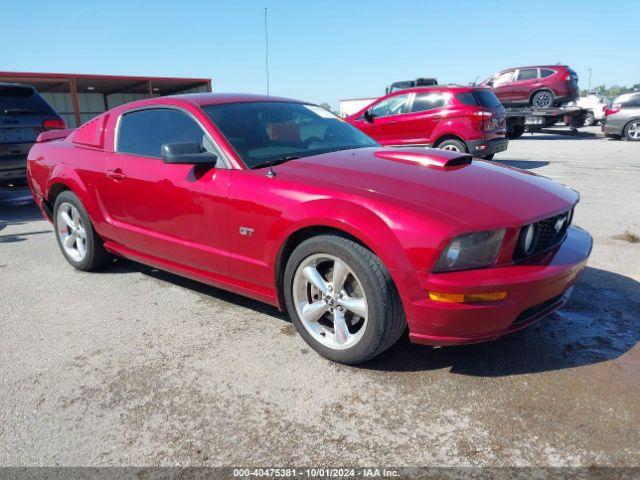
(471, 250)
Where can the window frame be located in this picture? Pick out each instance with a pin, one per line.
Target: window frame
(116, 138)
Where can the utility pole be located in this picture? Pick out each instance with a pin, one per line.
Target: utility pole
(266, 48)
(589, 88)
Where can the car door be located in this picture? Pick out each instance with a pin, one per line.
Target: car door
(526, 81)
(502, 85)
(177, 213)
(387, 114)
(424, 113)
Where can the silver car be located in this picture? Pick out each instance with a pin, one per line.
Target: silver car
(623, 117)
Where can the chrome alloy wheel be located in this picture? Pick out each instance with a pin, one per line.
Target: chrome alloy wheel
(451, 148)
(330, 301)
(542, 99)
(634, 130)
(71, 232)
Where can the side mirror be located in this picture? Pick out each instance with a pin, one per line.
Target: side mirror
(368, 116)
(189, 153)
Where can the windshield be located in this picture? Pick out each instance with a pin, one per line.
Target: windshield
(263, 132)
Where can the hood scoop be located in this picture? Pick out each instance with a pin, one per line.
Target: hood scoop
(427, 157)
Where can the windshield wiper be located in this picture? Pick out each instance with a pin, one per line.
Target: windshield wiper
(17, 111)
(277, 161)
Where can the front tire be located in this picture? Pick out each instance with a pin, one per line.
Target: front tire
(76, 237)
(632, 131)
(342, 299)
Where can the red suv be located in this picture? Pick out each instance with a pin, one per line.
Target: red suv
(542, 86)
(462, 119)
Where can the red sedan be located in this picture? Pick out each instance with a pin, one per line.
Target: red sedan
(282, 201)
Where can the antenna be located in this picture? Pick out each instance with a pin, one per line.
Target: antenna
(266, 48)
(474, 82)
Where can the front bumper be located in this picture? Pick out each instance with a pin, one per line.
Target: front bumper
(534, 289)
(482, 148)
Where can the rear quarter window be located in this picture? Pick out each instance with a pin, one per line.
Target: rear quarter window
(427, 101)
(19, 100)
(483, 98)
(545, 72)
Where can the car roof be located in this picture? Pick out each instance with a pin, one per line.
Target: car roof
(535, 66)
(204, 99)
(442, 88)
(19, 85)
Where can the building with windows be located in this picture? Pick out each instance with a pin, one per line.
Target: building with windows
(79, 97)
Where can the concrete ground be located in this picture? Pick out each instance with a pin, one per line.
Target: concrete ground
(133, 366)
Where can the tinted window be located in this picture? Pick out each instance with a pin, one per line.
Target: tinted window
(262, 132)
(16, 100)
(485, 98)
(427, 101)
(391, 106)
(545, 72)
(528, 74)
(467, 98)
(145, 131)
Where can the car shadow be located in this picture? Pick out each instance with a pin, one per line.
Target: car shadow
(121, 265)
(11, 214)
(523, 164)
(599, 323)
(558, 134)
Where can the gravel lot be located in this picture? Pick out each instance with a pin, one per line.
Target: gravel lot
(133, 366)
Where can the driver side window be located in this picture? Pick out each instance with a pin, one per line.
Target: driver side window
(391, 106)
(503, 78)
(143, 132)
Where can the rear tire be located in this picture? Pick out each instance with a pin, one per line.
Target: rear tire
(589, 119)
(77, 239)
(632, 131)
(542, 99)
(352, 317)
(453, 145)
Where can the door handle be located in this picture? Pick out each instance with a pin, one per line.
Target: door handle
(393, 122)
(116, 174)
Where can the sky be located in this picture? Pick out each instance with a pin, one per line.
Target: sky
(320, 51)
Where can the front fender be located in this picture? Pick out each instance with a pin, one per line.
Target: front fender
(361, 223)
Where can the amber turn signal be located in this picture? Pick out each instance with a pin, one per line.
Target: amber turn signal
(467, 297)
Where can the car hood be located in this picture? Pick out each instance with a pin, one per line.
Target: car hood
(479, 193)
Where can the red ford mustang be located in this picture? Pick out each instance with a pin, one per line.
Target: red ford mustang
(282, 201)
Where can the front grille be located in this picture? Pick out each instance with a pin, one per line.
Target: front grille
(548, 233)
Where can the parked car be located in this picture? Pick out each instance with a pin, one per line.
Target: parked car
(284, 202)
(23, 115)
(622, 117)
(404, 84)
(540, 86)
(595, 105)
(461, 119)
